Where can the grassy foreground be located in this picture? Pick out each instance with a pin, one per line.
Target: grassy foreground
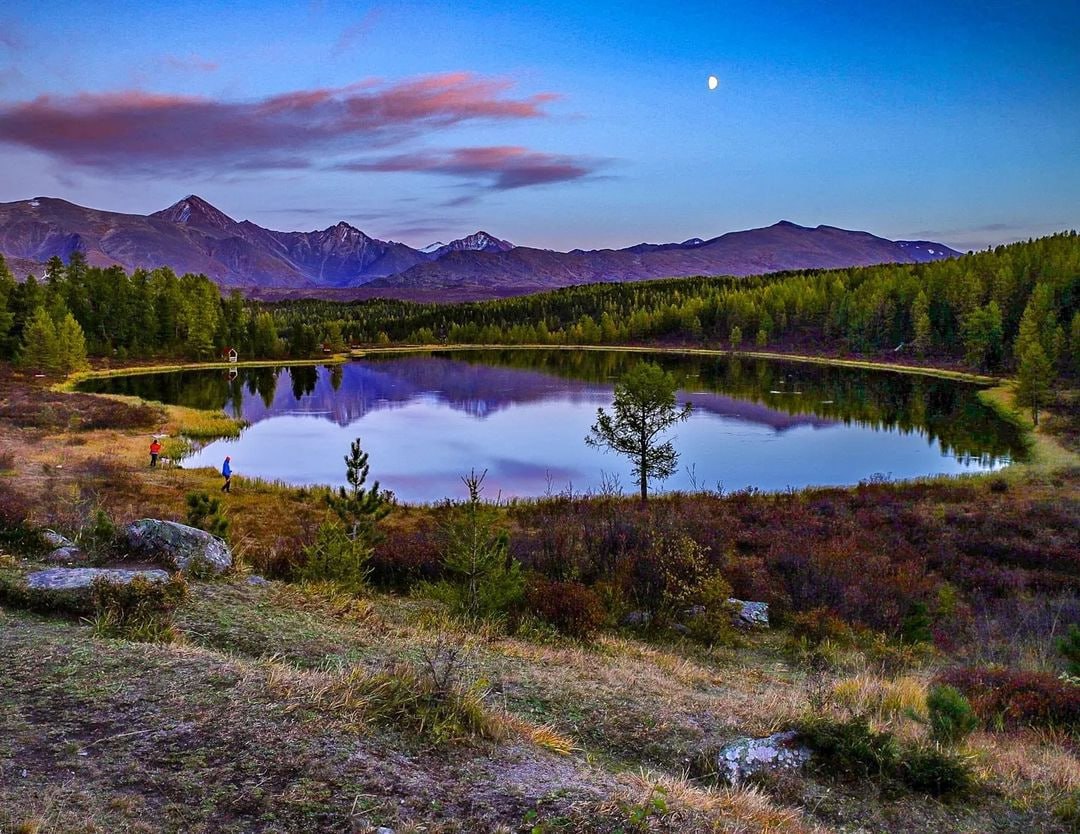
(297, 708)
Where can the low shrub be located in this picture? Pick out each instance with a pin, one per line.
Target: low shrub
(1008, 698)
(820, 624)
(207, 514)
(139, 610)
(1069, 647)
(16, 531)
(932, 769)
(98, 536)
(851, 747)
(714, 624)
(336, 557)
(570, 607)
(949, 714)
(854, 749)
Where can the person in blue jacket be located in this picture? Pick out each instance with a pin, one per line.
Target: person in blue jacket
(226, 473)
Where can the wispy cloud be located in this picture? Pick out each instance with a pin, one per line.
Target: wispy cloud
(500, 168)
(352, 35)
(11, 36)
(190, 63)
(136, 131)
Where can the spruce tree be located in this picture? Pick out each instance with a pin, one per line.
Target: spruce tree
(40, 346)
(70, 345)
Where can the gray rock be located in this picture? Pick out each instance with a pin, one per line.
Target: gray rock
(694, 611)
(636, 619)
(255, 579)
(55, 540)
(750, 614)
(66, 555)
(749, 757)
(177, 546)
(679, 628)
(78, 579)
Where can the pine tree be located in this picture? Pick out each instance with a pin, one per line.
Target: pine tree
(40, 347)
(485, 581)
(644, 408)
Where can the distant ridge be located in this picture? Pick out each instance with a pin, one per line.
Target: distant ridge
(194, 236)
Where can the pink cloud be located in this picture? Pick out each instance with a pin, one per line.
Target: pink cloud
(500, 168)
(190, 63)
(126, 131)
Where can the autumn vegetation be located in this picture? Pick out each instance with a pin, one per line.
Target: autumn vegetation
(569, 663)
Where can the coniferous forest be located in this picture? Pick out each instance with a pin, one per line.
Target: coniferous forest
(985, 310)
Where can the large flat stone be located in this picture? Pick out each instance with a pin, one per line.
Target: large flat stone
(77, 579)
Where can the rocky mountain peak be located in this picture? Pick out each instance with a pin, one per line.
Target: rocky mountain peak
(194, 211)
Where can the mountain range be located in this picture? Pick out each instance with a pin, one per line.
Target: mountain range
(341, 261)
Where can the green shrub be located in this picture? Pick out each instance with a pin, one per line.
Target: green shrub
(139, 610)
(484, 580)
(714, 626)
(207, 514)
(336, 557)
(99, 536)
(1069, 646)
(851, 747)
(935, 770)
(949, 715)
(916, 625)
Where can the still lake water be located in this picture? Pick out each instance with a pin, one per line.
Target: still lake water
(427, 419)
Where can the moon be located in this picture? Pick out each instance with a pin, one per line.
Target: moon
(714, 82)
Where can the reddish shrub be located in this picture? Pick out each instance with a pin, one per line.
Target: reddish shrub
(570, 607)
(1018, 699)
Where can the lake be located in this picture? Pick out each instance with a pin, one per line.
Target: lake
(426, 419)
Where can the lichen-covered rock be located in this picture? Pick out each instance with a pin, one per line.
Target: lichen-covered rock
(749, 757)
(76, 579)
(177, 546)
(750, 614)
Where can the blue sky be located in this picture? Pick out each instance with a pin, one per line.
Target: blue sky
(559, 124)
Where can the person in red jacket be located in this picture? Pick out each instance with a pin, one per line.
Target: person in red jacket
(155, 450)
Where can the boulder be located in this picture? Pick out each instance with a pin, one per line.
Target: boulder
(177, 546)
(636, 619)
(750, 614)
(77, 579)
(66, 556)
(255, 579)
(748, 757)
(55, 540)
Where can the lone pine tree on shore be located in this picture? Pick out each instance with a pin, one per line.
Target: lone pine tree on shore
(644, 408)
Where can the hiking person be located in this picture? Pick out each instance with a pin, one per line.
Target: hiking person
(226, 473)
(155, 450)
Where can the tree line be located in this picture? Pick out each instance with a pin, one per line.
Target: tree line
(1015, 306)
(987, 309)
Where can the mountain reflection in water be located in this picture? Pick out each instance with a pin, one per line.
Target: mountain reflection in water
(426, 419)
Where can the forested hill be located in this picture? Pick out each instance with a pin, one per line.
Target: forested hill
(983, 308)
(987, 309)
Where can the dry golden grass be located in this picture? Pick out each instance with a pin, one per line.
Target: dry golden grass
(1018, 762)
(737, 810)
(882, 699)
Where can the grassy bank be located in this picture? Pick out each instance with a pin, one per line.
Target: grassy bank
(866, 364)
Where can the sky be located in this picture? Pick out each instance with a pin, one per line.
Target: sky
(557, 124)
